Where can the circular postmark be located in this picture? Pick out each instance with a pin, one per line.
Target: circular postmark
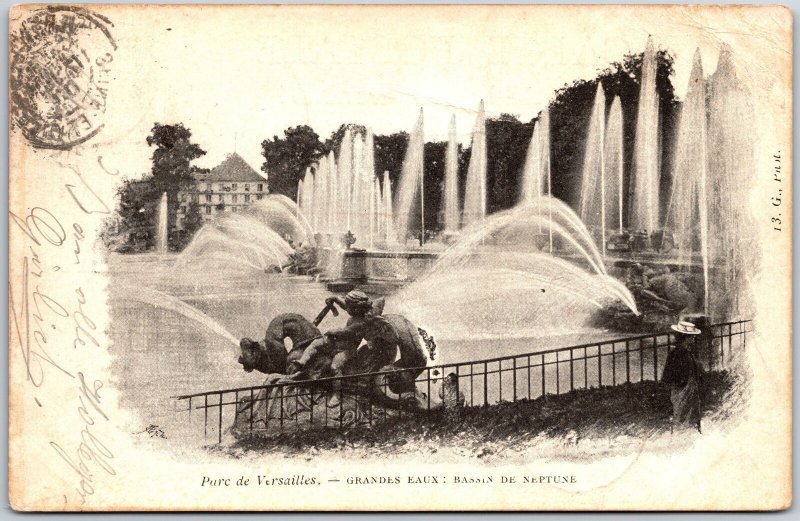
(60, 67)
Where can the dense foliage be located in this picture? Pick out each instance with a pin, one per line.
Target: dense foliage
(507, 140)
(133, 228)
(286, 158)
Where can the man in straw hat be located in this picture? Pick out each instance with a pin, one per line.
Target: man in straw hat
(683, 373)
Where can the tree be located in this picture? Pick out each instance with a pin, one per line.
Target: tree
(433, 182)
(173, 155)
(172, 170)
(507, 140)
(286, 159)
(194, 219)
(335, 141)
(389, 153)
(132, 230)
(571, 109)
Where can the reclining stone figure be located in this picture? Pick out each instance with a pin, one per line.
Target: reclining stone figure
(270, 356)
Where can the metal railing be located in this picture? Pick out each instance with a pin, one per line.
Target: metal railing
(372, 397)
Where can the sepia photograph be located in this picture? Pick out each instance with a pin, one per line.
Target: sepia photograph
(400, 257)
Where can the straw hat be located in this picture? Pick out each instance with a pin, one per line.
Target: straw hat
(686, 328)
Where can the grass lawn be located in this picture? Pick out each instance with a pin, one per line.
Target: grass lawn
(581, 420)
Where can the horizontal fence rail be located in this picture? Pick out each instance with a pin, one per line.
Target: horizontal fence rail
(370, 398)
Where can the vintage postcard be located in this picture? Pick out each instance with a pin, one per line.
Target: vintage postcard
(399, 257)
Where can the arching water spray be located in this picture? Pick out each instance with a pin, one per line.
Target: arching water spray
(162, 300)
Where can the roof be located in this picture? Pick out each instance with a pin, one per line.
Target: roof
(234, 168)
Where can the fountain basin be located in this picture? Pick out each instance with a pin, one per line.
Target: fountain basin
(383, 268)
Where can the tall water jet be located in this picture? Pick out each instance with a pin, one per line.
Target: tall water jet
(388, 214)
(309, 202)
(372, 209)
(333, 195)
(536, 179)
(451, 205)
(321, 195)
(161, 227)
(615, 165)
(646, 176)
(731, 169)
(378, 215)
(549, 173)
(300, 198)
(368, 186)
(409, 194)
(532, 182)
(593, 201)
(687, 213)
(345, 172)
(475, 194)
(356, 195)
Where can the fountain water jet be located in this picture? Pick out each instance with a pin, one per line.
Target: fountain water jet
(388, 214)
(732, 235)
(368, 182)
(646, 176)
(410, 189)
(536, 170)
(161, 229)
(615, 165)
(333, 194)
(593, 208)
(451, 205)
(356, 196)
(522, 291)
(345, 173)
(257, 236)
(162, 300)
(687, 213)
(475, 194)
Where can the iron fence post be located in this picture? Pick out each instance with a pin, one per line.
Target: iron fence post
(571, 372)
(544, 387)
(655, 357)
(627, 362)
(514, 379)
(614, 364)
(599, 365)
(485, 384)
(219, 438)
(529, 377)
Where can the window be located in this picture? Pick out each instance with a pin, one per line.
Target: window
(234, 209)
(182, 209)
(208, 199)
(183, 198)
(235, 198)
(247, 198)
(233, 187)
(260, 187)
(259, 196)
(246, 187)
(195, 198)
(208, 209)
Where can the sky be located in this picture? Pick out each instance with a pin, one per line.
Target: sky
(240, 75)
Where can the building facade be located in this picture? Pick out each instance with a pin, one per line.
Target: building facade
(228, 187)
